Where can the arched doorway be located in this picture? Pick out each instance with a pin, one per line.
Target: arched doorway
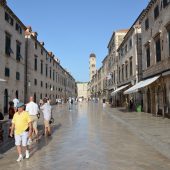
(16, 94)
(160, 100)
(148, 101)
(6, 101)
(35, 98)
(165, 100)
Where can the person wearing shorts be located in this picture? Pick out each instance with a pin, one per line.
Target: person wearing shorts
(33, 110)
(22, 125)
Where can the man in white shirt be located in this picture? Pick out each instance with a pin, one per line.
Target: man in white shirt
(16, 101)
(33, 110)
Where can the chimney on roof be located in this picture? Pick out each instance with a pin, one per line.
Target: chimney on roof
(35, 34)
(42, 43)
(50, 53)
(29, 29)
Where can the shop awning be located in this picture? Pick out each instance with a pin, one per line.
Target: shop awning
(119, 89)
(2, 80)
(141, 84)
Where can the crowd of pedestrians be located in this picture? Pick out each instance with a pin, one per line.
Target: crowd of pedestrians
(23, 119)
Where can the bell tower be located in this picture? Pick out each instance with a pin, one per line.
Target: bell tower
(92, 65)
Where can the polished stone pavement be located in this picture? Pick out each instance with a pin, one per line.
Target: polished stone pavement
(90, 137)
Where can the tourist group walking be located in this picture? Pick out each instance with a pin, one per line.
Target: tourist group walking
(23, 123)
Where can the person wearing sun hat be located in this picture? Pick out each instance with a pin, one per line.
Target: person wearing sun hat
(22, 125)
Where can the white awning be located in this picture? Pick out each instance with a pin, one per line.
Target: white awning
(2, 80)
(118, 89)
(141, 84)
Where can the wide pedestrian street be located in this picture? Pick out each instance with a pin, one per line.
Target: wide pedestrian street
(90, 137)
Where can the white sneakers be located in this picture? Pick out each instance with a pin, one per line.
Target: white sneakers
(27, 155)
(20, 158)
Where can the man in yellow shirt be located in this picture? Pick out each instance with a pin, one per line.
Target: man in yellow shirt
(22, 125)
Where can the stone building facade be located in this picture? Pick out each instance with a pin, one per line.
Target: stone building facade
(12, 56)
(45, 75)
(39, 67)
(100, 92)
(82, 90)
(111, 62)
(104, 81)
(129, 64)
(142, 67)
(106, 69)
(26, 66)
(155, 24)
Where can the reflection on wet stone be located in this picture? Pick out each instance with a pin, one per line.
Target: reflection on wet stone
(92, 138)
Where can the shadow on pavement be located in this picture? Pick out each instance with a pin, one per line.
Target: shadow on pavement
(43, 140)
(7, 142)
(123, 110)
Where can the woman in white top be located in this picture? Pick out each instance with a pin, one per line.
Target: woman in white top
(46, 109)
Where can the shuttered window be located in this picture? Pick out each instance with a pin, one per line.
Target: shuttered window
(158, 49)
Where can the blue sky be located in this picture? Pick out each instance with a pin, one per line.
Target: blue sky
(72, 29)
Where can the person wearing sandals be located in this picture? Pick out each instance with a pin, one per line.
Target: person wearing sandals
(22, 125)
(46, 109)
